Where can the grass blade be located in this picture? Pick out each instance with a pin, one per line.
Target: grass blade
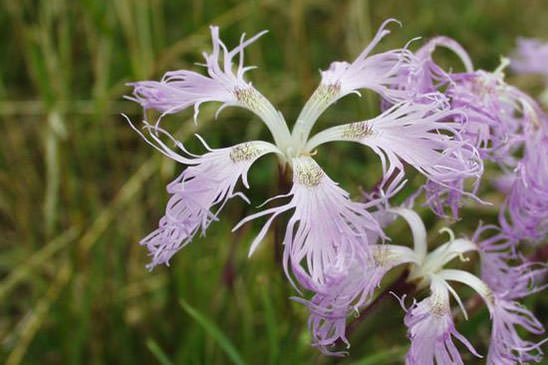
(271, 327)
(158, 353)
(214, 332)
(391, 356)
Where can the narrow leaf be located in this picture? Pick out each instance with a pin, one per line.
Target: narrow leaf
(214, 332)
(158, 353)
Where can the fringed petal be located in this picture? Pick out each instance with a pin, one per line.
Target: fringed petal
(431, 330)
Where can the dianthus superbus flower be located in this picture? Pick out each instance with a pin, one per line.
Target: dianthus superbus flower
(208, 182)
(431, 329)
(509, 281)
(181, 89)
(350, 285)
(317, 199)
(530, 57)
(442, 124)
(415, 133)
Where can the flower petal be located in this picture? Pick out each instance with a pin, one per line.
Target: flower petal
(530, 57)
(210, 181)
(350, 285)
(431, 328)
(181, 89)
(379, 73)
(415, 133)
(507, 347)
(325, 222)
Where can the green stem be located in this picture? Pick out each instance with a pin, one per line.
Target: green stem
(55, 127)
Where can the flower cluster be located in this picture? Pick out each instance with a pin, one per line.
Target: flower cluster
(445, 125)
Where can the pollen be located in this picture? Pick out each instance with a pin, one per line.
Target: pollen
(357, 130)
(244, 152)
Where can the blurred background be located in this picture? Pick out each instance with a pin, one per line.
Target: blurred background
(79, 189)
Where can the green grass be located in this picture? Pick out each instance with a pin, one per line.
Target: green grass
(78, 188)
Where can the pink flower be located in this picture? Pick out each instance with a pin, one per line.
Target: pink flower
(431, 329)
(209, 181)
(349, 285)
(509, 283)
(530, 57)
(415, 133)
(507, 347)
(440, 123)
(325, 222)
(181, 89)
(379, 72)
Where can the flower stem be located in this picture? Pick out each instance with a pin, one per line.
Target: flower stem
(54, 127)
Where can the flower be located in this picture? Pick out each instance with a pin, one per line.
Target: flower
(508, 284)
(530, 56)
(380, 72)
(431, 329)
(416, 133)
(443, 124)
(349, 285)
(181, 89)
(316, 199)
(208, 181)
(496, 118)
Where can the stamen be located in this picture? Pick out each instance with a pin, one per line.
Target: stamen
(463, 258)
(449, 232)
(504, 62)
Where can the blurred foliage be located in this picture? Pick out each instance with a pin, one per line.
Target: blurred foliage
(78, 188)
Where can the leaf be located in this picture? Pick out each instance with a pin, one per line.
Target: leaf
(271, 326)
(158, 353)
(391, 356)
(214, 332)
